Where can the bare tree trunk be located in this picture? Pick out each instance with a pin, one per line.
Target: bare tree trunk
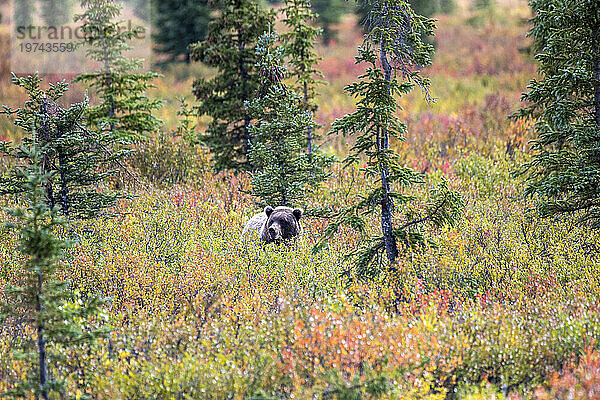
(596, 74)
(284, 200)
(247, 119)
(309, 129)
(596, 82)
(326, 34)
(44, 136)
(41, 342)
(108, 72)
(383, 145)
(244, 78)
(64, 190)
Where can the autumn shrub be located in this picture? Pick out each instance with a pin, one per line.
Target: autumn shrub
(508, 256)
(168, 245)
(502, 298)
(168, 160)
(577, 381)
(484, 49)
(330, 348)
(483, 175)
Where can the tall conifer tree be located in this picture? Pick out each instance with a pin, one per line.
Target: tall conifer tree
(299, 45)
(57, 12)
(391, 49)
(53, 311)
(230, 48)
(23, 12)
(284, 171)
(564, 171)
(426, 8)
(178, 24)
(329, 12)
(71, 154)
(125, 106)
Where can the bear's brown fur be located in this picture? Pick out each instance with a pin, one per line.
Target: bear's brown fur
(275, 224)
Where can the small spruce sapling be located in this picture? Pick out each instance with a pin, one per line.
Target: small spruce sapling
(174, 157)
(57, 316)
(392, 48)
(284, 171)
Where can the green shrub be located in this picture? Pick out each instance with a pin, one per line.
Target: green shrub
(484, 175)
(166, 160)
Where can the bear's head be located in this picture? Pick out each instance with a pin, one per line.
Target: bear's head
(283, 223)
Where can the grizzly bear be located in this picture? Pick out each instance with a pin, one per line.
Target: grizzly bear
(275, 224)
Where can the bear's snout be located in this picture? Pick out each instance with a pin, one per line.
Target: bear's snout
(274, 233)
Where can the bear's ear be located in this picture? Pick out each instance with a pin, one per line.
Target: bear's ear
(297, 213)
(268, 210)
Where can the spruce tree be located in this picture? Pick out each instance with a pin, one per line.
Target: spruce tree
(391, 49)
(284, 171)
(177, 24)
(230, 48)
(54, 312)
(23, 12)
(125, 106)
(299, 45)
(329, 12)
(427, 8)
(564, 170)
(73, 155)
(483, 4)
(57, 12)
(143, 9)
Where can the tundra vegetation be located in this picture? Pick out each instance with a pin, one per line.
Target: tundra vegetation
(141, 287)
